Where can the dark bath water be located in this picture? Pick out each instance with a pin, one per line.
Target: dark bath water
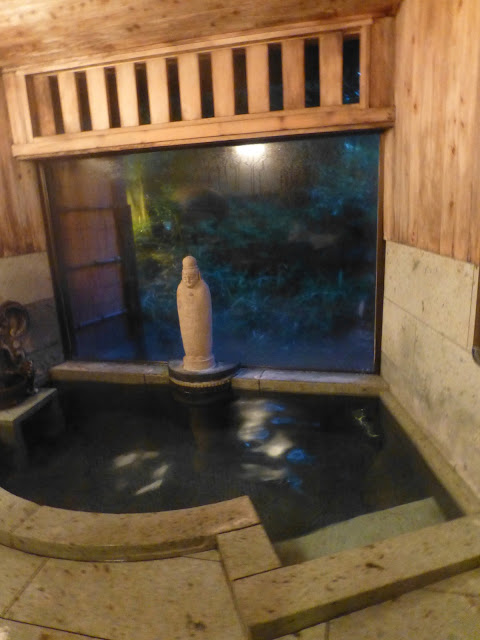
(305, 461)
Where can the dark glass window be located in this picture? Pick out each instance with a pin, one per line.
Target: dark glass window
(284, 233)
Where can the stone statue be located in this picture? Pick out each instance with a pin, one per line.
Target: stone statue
(17, 375)
(195, 314)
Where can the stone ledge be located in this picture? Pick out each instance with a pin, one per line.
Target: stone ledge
(287, 381)
(77, 535)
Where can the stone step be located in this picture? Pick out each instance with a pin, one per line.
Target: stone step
(288, 599)
(360, 531)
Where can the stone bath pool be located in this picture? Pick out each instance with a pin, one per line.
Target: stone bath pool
(306, 461)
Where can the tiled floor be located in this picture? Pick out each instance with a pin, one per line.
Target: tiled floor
(173, 599)
(189, 598)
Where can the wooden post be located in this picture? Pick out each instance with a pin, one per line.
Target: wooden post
(223, 86)
(293, 73)
(69, 101)
(97, 98)
(127, 94)
(189, 83)
(331, 69)
(365, 67)
(258, 88)
(44, 105)
(382, 59)
(158, 90)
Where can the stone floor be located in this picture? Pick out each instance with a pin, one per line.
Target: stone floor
(189, 598)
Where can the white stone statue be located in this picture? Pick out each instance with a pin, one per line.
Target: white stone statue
(195, 314)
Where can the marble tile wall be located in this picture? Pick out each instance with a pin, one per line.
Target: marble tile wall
(428, 320)
(26, 279)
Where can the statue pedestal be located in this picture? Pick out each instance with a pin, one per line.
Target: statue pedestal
(201, 383)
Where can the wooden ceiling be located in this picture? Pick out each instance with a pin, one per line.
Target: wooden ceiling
(37, 32)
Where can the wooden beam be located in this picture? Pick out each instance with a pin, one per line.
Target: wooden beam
(189, 84)
(97, 98)
(331, 69)
(293, 73)
(223, 86)
(158, 90)
(258, 90)
(278, 123)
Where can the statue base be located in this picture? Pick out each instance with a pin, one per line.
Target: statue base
(201, 383)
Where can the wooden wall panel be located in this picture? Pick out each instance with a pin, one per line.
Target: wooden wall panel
(435, 197)
(21, 222)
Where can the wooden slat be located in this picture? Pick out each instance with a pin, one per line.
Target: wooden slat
(69, 101)
(313, 120)
(331, 69)
(293, 73)
(158, 90)
(21, 222)
(223, 86)
(382, 60)
(461, 131)
(388, 192)
(18, 115)
(44, 105)
(127, 94)
(97, 98)
(258, 89)
(365, 67)
(189, 84)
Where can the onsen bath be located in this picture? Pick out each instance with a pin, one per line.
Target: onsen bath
(288, 475)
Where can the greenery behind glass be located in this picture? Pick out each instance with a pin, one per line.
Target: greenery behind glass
(285, 236)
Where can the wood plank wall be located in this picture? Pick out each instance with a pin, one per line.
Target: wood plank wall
(21, 224)
(433, 194)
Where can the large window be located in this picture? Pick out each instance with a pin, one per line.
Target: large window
(284, 232)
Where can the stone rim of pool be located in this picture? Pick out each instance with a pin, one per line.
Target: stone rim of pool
(235, 529)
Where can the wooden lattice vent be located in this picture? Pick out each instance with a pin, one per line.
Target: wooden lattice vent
(266, 84)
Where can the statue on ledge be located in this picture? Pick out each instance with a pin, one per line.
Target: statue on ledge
(194, 307)
(17, 374)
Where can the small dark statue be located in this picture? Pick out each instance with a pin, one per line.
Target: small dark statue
(16, 372)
